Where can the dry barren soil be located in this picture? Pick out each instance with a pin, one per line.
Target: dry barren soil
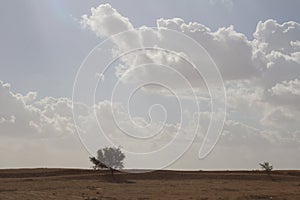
(73, 184)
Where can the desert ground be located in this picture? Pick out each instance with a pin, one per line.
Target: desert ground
(28, 184)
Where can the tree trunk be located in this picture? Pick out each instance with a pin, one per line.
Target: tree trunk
(112, 171)
(271, 177)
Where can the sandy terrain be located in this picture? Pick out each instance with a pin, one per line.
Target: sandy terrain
(87, 184)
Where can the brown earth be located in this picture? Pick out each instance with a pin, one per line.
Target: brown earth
(79, 184)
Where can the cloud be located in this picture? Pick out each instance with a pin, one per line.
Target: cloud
(231, 50)
(47, 129)
(287, 88)
(272, 36)
(272, 56)
(279, 67)
(285, 93)
(105, 21)
(282, 118)
(276, 48)
(25, 116)
(261, 75)
(38, 132)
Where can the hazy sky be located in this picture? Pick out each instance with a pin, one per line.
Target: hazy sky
(256, 45)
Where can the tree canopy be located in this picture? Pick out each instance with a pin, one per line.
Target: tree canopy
(110, 158)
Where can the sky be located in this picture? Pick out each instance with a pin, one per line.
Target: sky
(255, 46)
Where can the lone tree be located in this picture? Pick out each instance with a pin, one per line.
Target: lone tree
(108, 158)
(267, 167)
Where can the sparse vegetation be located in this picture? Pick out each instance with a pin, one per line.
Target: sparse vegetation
(82, 184)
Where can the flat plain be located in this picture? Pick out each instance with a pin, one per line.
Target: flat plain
(78, 184)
